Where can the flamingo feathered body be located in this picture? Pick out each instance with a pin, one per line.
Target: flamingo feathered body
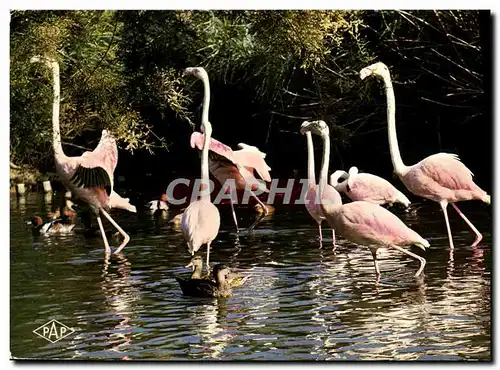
(200, 224)
(371, 225)
(440, 177)
(200, 221)
(367, 187)
(226, 165)
(313, 205)
(329, 194)
(90, 176)
(366, 223)
(101, 162)
(239, 166)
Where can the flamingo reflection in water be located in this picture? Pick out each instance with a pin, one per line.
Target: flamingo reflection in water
(121, 294)
(207, 321)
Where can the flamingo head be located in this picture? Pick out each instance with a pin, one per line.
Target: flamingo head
(353, 171)
(376, 69)
(316, 127)
(198, 72)
(338, 180)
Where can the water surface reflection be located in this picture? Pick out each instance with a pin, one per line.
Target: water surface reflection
(301, 303)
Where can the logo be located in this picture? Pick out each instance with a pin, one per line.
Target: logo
(296, 188)
(53, 331)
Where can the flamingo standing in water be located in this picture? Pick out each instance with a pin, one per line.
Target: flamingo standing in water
(363, 222)
(440, 177)
(240, 165)
(365, 186)
(90, 176)
(371, 225)
(201, 219)
(312, 200)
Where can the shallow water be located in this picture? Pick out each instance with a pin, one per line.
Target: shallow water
(301, 302)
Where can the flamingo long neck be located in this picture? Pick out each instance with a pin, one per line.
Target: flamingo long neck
(311, 176)
(397, 162)
(326, 161)
(56, 131)
(207, 130)
(328, 206)
(206, 99)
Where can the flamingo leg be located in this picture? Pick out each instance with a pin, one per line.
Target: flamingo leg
(120, 230)
(103, 234)
(208, 257)
(479, 237)
(375, 261)
(421, 259)
(234, 216)
(266, 211)
(444, 205)
(320, 235)
(333, 241)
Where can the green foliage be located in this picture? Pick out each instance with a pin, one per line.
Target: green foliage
(122, 70)
(92, 85)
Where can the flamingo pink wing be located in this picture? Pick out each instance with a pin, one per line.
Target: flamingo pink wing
(370, 187)
(198, 140)
(446, 170)
(95, 169)
(375, 224)
(105, 155)
(253, 160)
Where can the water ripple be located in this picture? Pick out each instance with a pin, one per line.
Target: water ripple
(302, 302)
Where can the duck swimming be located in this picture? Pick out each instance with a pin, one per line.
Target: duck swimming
(65, 210)
(234, 280)
(159, 207)
(207, 288)
(49, 228)
(196, 264)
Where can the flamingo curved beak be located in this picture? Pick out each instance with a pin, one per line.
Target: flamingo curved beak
(304, 127)
(365, 72)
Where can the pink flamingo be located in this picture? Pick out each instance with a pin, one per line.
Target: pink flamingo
(365, 186)
(239, 165)
(201, 219)
(440, 177)
(312, 200)
(90, 176)
(371, 225)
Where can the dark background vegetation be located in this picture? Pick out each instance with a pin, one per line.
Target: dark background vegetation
(269, 71)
